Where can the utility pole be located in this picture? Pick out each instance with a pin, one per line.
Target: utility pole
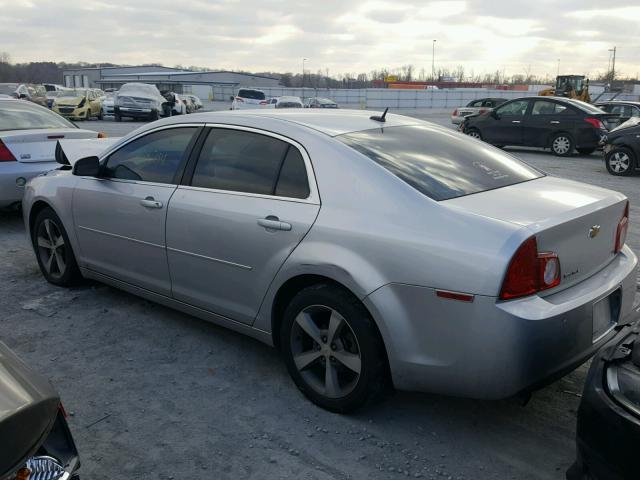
(303, 60)
(613, 66)
(558, 74)
(433, 60)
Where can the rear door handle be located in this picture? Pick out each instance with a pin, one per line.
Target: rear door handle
(273, 223)
(554, 122)
(150, 202)
(515, 121)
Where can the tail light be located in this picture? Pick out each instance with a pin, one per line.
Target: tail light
(482, 110)
(5, 154)
(239, 100)
(595, 122)
(263, 102)
(530, 271)
(455, 112)
(621, 232)
(102, 135)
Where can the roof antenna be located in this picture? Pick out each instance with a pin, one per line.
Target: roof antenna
(381, 118)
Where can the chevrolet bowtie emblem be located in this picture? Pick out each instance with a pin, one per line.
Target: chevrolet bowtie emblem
(594, 231)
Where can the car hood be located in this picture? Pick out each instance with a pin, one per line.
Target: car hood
(68, 100)
(28, 408)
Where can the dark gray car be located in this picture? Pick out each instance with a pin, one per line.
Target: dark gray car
(33, 430)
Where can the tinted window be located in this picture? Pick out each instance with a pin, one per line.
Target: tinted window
(16, 115)
(437, 163)
(516, 108)
(153, 158)
(239, 161)
(475, 103)
(251, 94)
(293, 181)
(544, 107)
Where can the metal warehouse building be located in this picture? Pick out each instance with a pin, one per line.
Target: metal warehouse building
(165, 78)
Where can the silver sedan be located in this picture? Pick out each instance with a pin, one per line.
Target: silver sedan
(371, 250)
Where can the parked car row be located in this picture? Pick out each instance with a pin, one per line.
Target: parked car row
(249, 98)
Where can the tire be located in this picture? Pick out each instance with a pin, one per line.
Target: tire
(562, 145)
(474, 133)
(620, 162)
(118, 117)
(309, 351)
(100, 115)
(155, 115)
(586, 151)
(53, 250)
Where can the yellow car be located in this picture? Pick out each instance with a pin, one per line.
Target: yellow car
(78, 104)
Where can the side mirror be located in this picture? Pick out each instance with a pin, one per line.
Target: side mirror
(87, 167)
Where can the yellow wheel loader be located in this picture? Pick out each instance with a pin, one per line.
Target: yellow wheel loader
(570, 86)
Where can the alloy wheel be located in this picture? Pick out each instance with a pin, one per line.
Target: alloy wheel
(51, 248)
(619, 162)
(325, 351)
(561, 145)
(474, 134)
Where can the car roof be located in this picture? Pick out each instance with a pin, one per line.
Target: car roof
(329, 122)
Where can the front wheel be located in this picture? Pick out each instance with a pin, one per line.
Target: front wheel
(562, 145)
(474, 133)
(620, 162)
(333, 349)
(118, 117)
(53, 250)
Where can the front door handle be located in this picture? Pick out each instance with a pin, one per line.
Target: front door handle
(150, 202)
(515, 121)
(273, 223)
(554, 122)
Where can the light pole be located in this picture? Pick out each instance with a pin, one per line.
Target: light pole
(433, 60)
(303, 60)
(613, 64)
(557, 74)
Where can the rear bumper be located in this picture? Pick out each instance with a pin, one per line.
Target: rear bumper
(12, 172)
(491, 349)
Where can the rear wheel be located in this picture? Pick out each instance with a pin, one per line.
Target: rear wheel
(562, 145)
(586, 151)
(333, 349)
(53, 250)
(474, 133)
(118, 117)
(154, 115)
(620, 162)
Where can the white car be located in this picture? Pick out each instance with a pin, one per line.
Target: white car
(196, 100)
(480, 105)
(180, 105)
(107, 104)
(28, 137)
(248, 98)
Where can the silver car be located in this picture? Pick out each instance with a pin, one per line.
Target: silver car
(372, 251)
(28, 137)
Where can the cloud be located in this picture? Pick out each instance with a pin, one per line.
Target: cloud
(339, 35)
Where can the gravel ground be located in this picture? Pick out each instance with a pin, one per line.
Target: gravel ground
(154, 393)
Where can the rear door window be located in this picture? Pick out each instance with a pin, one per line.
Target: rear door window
(516, 108)
(544, 107)
(436, 164)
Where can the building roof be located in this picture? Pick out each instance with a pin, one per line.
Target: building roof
(188, 72)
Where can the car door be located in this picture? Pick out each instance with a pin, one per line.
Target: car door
(543, 120)
(504, 125)
(247, 202)
(120, 217)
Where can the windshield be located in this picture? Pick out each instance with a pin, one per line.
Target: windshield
(251, 94)
(325, 100)
(440, 164)
(139, 87)
(8, 88)
(27, 116)
(73, 93)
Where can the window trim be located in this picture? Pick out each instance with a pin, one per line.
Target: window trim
(181, 168)
(313, 198)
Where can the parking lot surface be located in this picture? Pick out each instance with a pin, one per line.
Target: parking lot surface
(154, 393)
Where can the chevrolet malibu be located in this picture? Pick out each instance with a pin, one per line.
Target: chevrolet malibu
(370, 250)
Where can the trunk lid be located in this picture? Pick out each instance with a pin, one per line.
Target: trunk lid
(575, 220)
(29, 146)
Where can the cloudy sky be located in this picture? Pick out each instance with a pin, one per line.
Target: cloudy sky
(335, 35)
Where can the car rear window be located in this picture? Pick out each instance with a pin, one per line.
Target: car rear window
(440, 164)
(20, 115)
(251, 94)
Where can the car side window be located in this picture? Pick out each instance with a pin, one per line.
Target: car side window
(155, 157)
(635, 112)
(475, 103)
(543, 107)
(239, 161)
(513, 109)
(293, 181)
